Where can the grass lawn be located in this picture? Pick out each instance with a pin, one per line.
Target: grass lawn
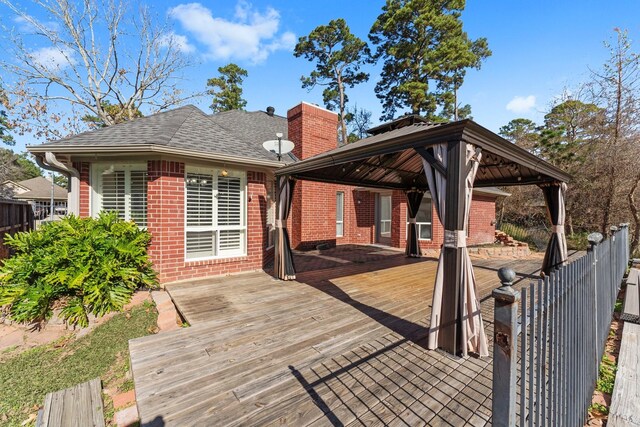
(27, 377)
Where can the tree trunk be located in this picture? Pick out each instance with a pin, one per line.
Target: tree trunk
(570, 225)
(343, 127)
(610, 195)
(635, 214)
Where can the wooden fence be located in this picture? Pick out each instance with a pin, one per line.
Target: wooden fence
(14, 216)
(549, 338)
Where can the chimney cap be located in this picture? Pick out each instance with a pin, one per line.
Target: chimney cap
(270, 111)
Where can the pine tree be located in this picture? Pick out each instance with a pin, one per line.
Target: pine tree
(426, 54)
(338, 55)
(226, 89)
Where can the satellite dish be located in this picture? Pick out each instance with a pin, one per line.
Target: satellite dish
(279, 146)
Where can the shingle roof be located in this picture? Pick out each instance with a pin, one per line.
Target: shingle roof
(186, 128)
(40, 188)
(255, 127)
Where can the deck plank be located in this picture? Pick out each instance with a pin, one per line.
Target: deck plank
(625, 401)
(351, 331)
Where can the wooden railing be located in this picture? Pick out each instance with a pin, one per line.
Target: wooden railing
(549, 337)
(15, 216)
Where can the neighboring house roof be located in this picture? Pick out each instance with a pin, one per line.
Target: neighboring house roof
(184, 130)
(15, 187)
(38, 188)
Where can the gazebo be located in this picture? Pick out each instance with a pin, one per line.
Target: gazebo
(448, 160)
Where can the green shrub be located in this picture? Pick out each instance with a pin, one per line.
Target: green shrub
(81, 266)
(577, 241)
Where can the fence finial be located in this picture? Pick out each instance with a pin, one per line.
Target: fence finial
(506, 276)
(594, 239)
(506, 293)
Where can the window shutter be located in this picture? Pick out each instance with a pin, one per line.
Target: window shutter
(199, 243)
(199, 199)
(139, 197)
(229, 212)
(113, 192)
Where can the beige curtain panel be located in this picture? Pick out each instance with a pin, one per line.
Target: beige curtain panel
(283, 257)
(414, 198)
(473, 334)
(556, 254)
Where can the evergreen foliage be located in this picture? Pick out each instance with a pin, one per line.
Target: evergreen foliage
(226, 89)
(426, 54)
(82, 266)
(338, 55)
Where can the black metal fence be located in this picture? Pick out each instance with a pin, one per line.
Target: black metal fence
(14, 216)
(549, 338)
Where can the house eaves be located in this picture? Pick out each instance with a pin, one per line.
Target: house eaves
(152, 148)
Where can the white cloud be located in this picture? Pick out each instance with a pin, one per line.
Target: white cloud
(521, 104)
(26, 24)
(250, 36)
(53, 58)
(178, 41)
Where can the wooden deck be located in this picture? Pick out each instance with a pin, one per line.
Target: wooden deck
(625, 401)
(342, 345)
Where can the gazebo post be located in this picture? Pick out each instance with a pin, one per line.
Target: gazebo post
(451, 324)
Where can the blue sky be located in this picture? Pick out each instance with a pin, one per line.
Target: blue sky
(539, 49)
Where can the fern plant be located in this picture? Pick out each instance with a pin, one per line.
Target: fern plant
(82, 266)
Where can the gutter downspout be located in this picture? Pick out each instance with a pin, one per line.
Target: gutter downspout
(50, 162)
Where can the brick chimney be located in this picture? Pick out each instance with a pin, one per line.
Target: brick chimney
(314, 130)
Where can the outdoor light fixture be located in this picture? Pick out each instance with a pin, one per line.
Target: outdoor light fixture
(109, 171)
(224, 172)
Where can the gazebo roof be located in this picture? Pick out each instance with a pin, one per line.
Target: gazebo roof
(389, 159)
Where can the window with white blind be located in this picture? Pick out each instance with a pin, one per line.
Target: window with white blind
(339, 214)
(215, 214)
(424, 219)
(121, 188)
(385, 216)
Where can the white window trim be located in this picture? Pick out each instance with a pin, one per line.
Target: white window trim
(215, 228)
(381, 221)
(341, 220)
(418, 224)
(96, 193)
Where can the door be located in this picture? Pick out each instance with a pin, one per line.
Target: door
(383, 223)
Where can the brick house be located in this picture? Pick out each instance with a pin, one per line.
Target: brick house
(204, 188)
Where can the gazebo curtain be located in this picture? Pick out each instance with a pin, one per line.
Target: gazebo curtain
(283, 257)
(473, 334)
(556, 253)
(414, 198)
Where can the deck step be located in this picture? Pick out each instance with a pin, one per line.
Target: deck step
(80, 405)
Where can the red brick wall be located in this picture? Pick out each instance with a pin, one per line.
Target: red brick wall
(165, 210)
(85, 188)
(165, 216)
(359, 216)
(313, 211)
(165, 219)
(482, 228)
